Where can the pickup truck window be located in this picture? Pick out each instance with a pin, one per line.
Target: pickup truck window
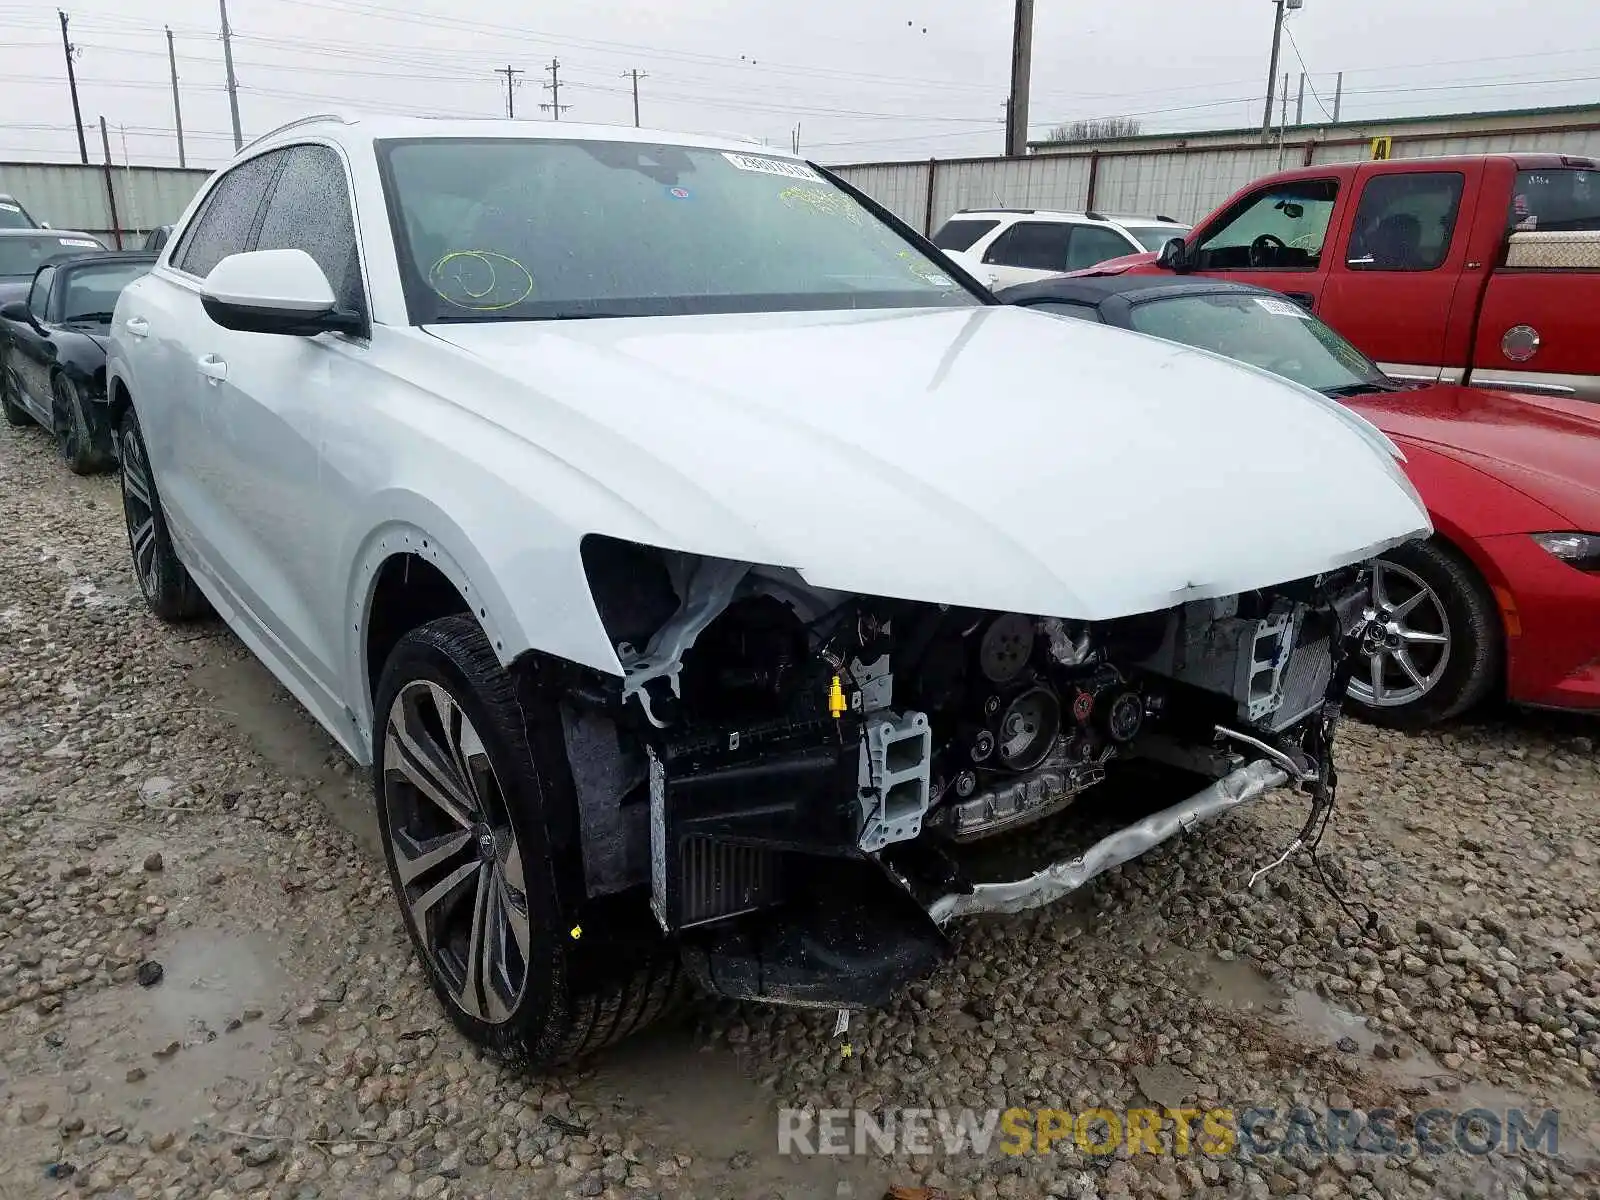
(1556, 201)
(1405, 221)
(1279, 227)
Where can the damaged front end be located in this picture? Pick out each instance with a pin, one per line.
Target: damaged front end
(803, 781)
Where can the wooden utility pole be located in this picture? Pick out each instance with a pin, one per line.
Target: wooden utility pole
(635, 75)
(177, 106)
(1272, 68)
(233, 82)
(72, 82)
(555, 108)
(511, 74)
(1300, 102)
(1021, 73)
(111, 189)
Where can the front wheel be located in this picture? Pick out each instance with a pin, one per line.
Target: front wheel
(463, 793)
(1440, 648)
(75, 436)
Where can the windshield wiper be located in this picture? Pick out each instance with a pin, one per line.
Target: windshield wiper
(1367, 388)
(99, 318)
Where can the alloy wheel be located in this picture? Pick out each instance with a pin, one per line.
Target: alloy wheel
(1411, 639)
(456, 853)
(138, 507)
(66, 421)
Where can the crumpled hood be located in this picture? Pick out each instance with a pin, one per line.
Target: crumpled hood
(1546, 447)
(988, 456)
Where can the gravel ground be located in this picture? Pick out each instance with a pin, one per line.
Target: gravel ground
(163, 802)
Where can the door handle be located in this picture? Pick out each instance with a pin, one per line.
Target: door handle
(212, 367)
(138, 327)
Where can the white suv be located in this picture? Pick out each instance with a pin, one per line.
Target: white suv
(1003, 246)
(699, 566)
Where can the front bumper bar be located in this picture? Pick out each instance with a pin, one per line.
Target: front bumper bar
(1239, 787)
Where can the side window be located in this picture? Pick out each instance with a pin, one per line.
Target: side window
(39, 294)
(1066, 308)
(223, 226)
(310, 211)
(1556, 201)
(1278, 228)
(1094, 244)
(1405, 221)
(959, 233)
(1037, 245)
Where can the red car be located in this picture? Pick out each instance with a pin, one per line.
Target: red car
(1505, 597)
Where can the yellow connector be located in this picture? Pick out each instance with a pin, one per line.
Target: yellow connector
(836, 703)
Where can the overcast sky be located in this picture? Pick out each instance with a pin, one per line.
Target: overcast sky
(864, 81)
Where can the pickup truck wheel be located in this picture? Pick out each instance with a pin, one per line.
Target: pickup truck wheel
(1442, 646)
(461, 792)
(168, 589)
(74, 435)
(11, 393)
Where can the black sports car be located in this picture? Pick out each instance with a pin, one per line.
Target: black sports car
(52, 352)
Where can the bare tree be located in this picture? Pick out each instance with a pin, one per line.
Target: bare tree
(1094, 129)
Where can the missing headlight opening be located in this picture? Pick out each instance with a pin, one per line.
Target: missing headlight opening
(799, 778)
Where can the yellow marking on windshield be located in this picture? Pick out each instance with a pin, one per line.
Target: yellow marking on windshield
(472, 275)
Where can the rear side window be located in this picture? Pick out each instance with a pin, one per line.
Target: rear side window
(223, 226)
(958, 234)
(1405, 221)
(1036, 245)
(1093, 244)
(310, 211)
(1556, 201)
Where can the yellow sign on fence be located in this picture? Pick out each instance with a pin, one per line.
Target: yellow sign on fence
(1380, 148)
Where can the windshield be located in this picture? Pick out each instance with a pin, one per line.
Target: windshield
(1264, 331)
(12, 216)
(530, 229)
(1153, 237)
(91, 292)
(21, 256)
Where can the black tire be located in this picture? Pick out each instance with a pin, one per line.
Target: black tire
(165, 583)
(9, 403)
(575, 996)
(83, 451)
(1474, 639)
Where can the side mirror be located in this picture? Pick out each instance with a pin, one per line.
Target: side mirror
(16, 310)
(274, 291)
(1174, 255)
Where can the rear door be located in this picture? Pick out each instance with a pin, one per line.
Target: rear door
(1273, 236)
(1393, 278)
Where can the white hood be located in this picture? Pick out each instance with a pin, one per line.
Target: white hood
(989, 457)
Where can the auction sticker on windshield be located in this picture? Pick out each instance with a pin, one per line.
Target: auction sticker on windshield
(772, 166)
(1282, 308)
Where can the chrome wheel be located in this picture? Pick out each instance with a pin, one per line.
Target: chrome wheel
(456, 854)
(138, 508)
(1412, 639)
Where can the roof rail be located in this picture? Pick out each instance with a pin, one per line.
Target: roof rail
(1164, 217)
(999, 210)
(315, 118)
(1094, 216)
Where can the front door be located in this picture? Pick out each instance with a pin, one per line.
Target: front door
(1392, 284)
(1273, 237)
(31, 351)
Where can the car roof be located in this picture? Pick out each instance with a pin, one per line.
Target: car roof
(1092, 289)
(357, 130)
(99, 258)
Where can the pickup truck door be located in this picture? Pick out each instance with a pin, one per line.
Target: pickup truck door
(1273, 236)
(1396, 273)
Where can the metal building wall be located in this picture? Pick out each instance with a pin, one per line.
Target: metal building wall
(74, 196)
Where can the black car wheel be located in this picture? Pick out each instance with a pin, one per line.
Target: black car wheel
(461, 793)
(1441, 645)
(168, 589)
(11, 392)
(74, 434)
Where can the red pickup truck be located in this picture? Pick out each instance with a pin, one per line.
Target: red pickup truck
(1483, 270)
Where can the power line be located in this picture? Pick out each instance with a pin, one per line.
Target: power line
(1306, 76)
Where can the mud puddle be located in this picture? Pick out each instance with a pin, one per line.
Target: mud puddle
(178, 1050)
(699, 1102)
(276, 726)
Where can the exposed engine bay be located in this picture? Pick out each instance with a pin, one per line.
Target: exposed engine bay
(792, 774)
